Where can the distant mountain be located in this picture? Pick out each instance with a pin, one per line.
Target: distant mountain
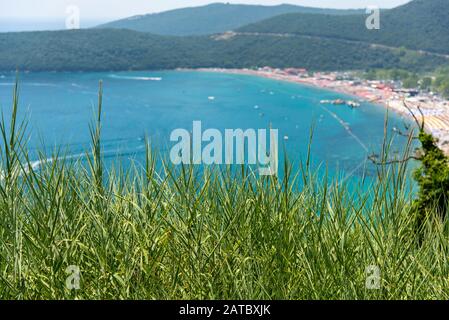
(313, 41)
(420, 25)
(210, 19)
(110, 49)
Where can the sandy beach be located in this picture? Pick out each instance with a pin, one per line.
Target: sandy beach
(434, 108)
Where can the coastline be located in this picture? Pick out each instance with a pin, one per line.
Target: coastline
(435, 109)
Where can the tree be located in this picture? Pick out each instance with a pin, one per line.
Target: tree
(433, 180)
(432, 176)
(411, 81)
(443, 88)
(426, 83)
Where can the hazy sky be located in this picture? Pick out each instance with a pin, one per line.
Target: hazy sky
(112, 9)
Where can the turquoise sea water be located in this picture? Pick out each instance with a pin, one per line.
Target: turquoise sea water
(60, 107)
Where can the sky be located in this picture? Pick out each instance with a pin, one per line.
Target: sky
(37, 15)
(105, 10)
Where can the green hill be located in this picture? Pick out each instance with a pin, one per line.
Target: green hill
(108, 49)
(313, 41)
(210, 19)
(420, 25)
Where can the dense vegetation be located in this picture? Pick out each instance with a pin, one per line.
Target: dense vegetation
(173, 233)
(438, 81)
(432, 176)
(209, 19)
(104, 50)
(315, 42)
(433, 180)
(419, 25)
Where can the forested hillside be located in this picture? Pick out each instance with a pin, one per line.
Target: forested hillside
(312, 41)
(209, 19)
(97, 49)
(419, 25)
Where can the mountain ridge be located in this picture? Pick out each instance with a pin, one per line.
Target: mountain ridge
(419, 24)
(210, 19)
(327, 48)
(115, 50)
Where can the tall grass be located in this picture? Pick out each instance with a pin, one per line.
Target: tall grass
(155, 232)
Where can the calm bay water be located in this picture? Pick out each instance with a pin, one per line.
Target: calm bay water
(60, 107)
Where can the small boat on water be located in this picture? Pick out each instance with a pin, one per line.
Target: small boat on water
(211, 98)
(340, 102)
(353, 104)
(336, 101)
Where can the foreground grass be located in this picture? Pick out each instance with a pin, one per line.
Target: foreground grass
(175, 233)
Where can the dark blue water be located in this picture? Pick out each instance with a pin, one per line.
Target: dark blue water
(60, 107)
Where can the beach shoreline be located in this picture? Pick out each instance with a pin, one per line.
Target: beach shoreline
(434, 108)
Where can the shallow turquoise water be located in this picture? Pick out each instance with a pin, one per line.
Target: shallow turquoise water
(60, 106)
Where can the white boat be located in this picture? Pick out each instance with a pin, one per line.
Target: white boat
(353, 104)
